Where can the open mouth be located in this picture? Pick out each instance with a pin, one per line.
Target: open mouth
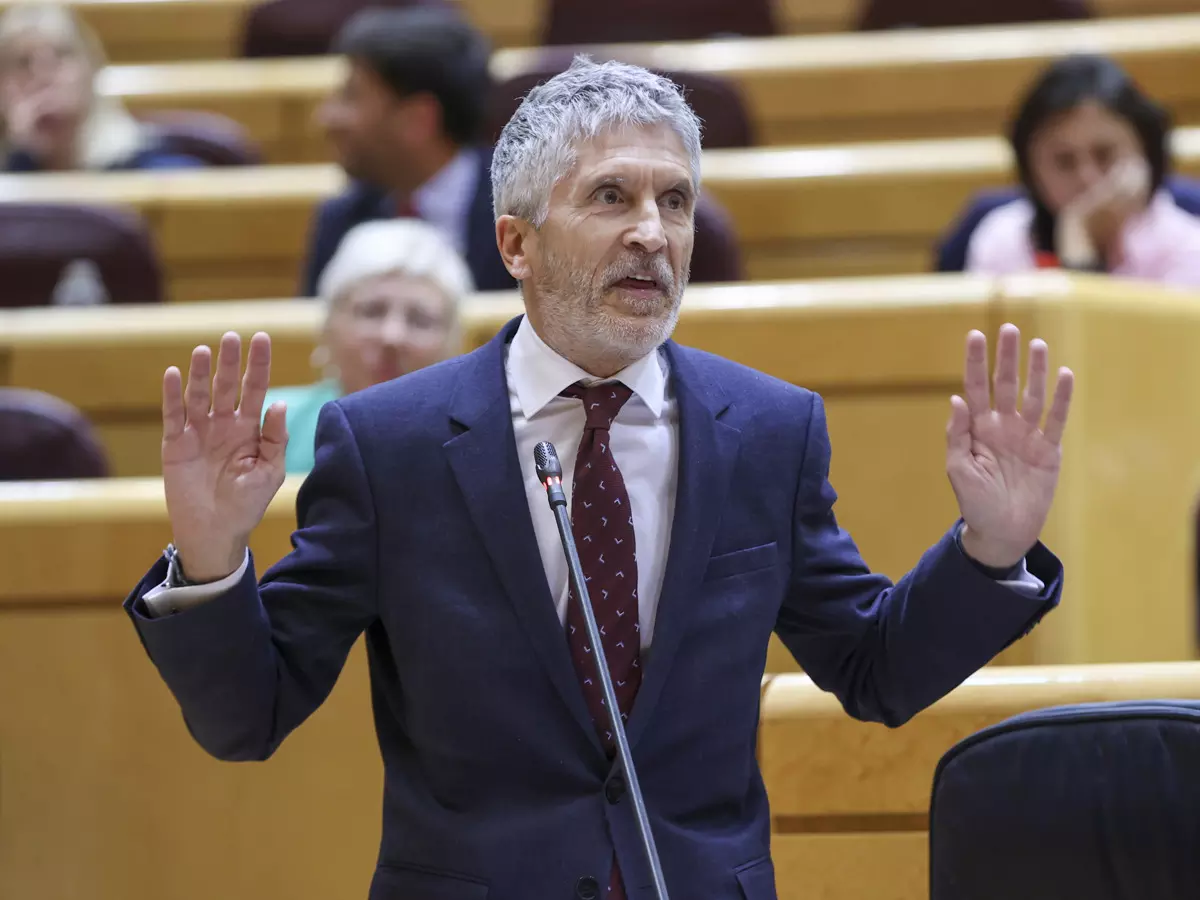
(639, 283)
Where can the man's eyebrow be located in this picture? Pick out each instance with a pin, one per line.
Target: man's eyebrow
(684, 186)
(605, 177)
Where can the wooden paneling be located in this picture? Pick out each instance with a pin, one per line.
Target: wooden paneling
(850, 800)
(799, 90)
(885, 354)
(800, 213)
(818, 212)
(135, 31)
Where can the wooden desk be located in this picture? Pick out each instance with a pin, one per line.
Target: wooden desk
(800, 89)
(866, 209)
(141, 31)
(850, 801)
(906, 336)
(798, 213)
(885, 354)
(105, 794)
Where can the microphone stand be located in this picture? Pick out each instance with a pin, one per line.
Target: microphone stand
(549, 472)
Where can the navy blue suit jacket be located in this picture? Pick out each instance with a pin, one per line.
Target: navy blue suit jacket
(951, 253)
(362, 202)
(414, 527)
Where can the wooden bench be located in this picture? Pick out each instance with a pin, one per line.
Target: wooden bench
(800, 89)
(104, 790)
(852, 210)
(885, 354)
(105, 794)
(139, 31)
(850, 801)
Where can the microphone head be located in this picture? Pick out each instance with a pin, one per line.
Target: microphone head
(545, 462)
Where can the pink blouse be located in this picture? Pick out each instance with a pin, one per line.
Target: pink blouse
(1160, 244)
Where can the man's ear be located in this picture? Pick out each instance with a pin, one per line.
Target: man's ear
(512, 234)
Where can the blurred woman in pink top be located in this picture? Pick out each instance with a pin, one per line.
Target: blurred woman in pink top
(1092, 153)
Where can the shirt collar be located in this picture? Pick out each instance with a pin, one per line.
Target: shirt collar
(537, 374)
(452, 183)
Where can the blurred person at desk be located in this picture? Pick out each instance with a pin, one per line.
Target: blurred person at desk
(407, 127)
(1092, 153)
(51, 116)
(392, 294)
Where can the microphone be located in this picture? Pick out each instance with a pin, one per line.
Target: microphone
(549, 473)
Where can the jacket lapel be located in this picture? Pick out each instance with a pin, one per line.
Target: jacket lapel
(484, 460)
(708, 451)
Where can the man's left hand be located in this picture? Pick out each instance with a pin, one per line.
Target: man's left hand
(1002, 462)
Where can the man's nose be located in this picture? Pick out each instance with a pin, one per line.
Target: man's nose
(647, 234)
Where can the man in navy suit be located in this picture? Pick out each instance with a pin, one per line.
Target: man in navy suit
(407, 127)
(701, 504)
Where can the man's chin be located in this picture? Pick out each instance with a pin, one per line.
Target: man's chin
(640, 331)
(643, 303)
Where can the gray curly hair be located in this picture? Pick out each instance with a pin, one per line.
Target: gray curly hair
(537, 147)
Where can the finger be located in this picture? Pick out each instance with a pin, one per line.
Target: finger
(958, 429)
(1033, 401)
(197, 394)
(229, 367)
(1008, 364)
(274, 441)
(976, 378)
(1056, 420)
(174, 413)
(257, 378)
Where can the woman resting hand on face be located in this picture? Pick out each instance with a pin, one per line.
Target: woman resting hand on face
(1092, 152)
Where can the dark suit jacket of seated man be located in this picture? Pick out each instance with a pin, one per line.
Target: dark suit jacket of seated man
(458, 201)
(423, 524)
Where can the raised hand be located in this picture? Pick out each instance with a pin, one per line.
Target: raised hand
(220, 468)
(1002, 462)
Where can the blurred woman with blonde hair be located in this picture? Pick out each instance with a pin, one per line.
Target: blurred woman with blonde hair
(392, 293)
(51, 115)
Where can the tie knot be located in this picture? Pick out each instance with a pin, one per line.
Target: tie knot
(601, 402)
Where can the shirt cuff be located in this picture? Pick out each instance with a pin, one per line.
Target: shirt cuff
(1018, 578)
(164, 600)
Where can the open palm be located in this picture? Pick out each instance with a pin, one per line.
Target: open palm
(220, 468)
(1002, 463)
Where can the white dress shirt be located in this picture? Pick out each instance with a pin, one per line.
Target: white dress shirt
(444, 201)
(645, 446)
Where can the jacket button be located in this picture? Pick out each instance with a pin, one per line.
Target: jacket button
(587, 888)
(614, 789)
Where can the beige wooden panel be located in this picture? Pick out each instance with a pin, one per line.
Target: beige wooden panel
(856, 866)
(850, 800)
(796, 213)
(907, 334)
(1124, 522)
(107, 797)
(799, 89)
(137, 31)
(802, 16)
(134, 31)
(820, 764)
(818, 212)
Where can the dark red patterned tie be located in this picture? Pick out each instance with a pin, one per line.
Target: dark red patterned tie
(602, 522)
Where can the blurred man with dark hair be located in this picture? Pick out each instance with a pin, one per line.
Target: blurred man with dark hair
(406, 126)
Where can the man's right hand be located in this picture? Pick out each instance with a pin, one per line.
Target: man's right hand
(220, 468)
